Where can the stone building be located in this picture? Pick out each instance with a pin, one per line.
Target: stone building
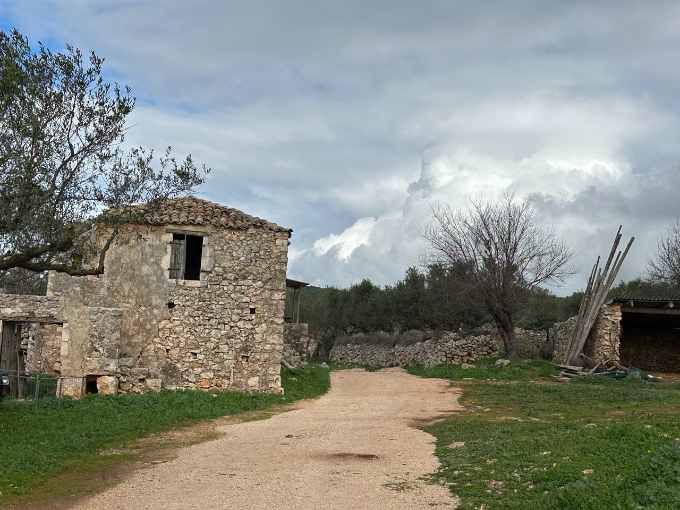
(636, 332)
(192, 296)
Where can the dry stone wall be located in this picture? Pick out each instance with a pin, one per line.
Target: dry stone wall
(560, 335)
(603, 343)
(417, 347)
(298, 345)
(605, 338)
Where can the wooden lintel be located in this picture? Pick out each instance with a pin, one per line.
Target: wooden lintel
(39, 320)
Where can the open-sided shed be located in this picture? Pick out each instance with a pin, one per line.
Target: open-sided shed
(650, 333)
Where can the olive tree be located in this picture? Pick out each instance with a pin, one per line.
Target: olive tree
(63, 158)
(506, 252)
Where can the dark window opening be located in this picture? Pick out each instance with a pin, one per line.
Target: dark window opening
(171, 305)
(185, 259)
(91, 385)
(252, 310)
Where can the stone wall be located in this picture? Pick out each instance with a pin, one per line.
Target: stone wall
(560, 334)
(603, 342)
(21, 308)
(298, 345)
(41, 329)
(43, 348)
(605, 338)
(416, 347)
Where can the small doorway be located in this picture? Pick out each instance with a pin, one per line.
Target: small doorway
(91, 387)
(12, 357)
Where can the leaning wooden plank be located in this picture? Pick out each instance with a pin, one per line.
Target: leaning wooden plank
(595, 296)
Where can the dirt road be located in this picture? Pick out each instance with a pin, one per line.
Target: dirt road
(354, 448)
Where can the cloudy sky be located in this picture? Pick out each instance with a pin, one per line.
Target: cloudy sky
(346, 120)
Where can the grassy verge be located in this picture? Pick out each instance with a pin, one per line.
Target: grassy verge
(485, 369)
(38, 442)
(593, 443)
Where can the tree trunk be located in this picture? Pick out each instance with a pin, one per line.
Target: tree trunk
(506, 330)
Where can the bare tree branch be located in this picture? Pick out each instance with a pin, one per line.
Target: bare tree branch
(506, 251)
(666, 266)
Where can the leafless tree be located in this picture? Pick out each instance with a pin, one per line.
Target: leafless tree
(666, 266)
(507, 252)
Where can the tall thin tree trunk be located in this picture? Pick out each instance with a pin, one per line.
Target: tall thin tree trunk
(506, 330)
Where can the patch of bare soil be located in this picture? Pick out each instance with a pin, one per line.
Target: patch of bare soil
(354, 448)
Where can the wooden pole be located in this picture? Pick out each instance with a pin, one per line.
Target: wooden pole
(595, 296)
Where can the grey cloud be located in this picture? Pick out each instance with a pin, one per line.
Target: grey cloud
(318, 115)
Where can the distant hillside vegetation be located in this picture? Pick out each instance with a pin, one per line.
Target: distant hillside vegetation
(434, 298)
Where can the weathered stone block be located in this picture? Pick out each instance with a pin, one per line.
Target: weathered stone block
(107, 385)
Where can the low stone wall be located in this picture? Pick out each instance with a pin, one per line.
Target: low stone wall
(415, 347)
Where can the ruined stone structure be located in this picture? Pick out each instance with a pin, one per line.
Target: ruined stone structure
(192, 296)
(298, 345)
(636, 332)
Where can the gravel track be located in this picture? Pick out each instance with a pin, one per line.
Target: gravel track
(357, 447)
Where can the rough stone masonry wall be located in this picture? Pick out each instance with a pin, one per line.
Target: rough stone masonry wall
(449, 347)
(298, 345)
(560, 334)
(604, 340)
(228, 333)
(41, 329)
(21, 308)
(222, 332)
(43, 347)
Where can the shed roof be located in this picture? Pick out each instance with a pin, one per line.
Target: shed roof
(648, 302)
(196, 211)
(295, 284)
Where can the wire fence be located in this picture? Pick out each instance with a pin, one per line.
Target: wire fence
(36, 388)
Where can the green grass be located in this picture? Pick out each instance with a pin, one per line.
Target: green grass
(38, 442)
(592, 443)
(485, 369)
